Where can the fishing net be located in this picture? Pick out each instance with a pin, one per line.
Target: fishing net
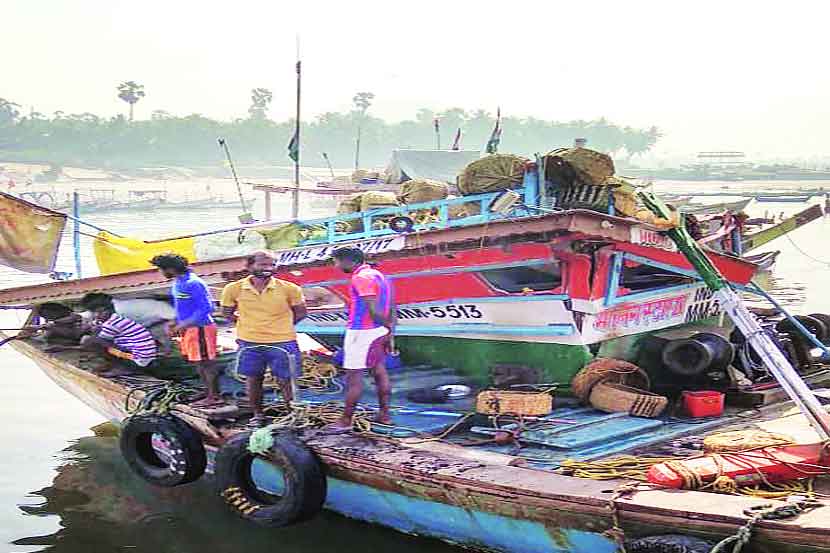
(418, 191)
(360, 174)
(374, 199)
(580, 164)
(743, 440)
(491, 174)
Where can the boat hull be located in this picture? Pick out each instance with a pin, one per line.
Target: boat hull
(477, 500)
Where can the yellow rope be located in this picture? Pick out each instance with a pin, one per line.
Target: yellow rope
(302, 415)
(635, 468)
(317, 375)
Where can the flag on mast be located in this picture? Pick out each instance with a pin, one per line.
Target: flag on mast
(294, 147)
(456, 145)
(495, 136)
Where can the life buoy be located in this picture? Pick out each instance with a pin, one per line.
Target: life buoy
(163, 449)
(669, 543)
(401, 224)
(304, 482)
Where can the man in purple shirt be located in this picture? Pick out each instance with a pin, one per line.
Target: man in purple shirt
(369, 336)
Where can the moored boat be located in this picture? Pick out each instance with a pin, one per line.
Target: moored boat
(544, 292)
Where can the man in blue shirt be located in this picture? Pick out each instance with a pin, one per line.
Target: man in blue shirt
(194, 322)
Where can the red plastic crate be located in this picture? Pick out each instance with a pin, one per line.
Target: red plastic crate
(705, 403)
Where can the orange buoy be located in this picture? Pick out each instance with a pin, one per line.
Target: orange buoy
(746, 468)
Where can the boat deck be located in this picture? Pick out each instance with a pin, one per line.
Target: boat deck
(571, 431)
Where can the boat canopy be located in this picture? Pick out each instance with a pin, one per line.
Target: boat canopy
(439, 165)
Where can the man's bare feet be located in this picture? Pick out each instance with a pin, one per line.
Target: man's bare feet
(382, 418)
(336, 428)
(208, 402)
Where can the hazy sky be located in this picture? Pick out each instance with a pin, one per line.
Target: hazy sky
(713, 75)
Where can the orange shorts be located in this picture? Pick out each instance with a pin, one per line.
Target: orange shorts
(198, 343)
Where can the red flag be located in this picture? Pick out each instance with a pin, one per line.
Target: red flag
(456, 145)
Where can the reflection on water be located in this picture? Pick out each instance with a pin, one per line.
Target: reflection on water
(87, 500)
(102, 506)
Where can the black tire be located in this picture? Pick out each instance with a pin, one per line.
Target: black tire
(305, 482)
(693, 356)
(814, 325)
(824, 318)
(182, 463)
(669, 543)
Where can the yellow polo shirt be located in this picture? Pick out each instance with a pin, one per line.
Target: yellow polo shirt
(264, 317)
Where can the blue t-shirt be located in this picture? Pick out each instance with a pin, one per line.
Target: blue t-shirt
(192, 300)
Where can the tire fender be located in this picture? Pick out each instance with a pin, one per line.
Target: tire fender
(304, 488)
(163, 449)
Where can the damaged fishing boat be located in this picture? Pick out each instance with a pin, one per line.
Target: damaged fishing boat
(531, 339)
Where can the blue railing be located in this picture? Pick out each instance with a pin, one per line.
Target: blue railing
(341, 227)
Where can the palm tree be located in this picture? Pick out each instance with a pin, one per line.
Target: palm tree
(260, 100)
(361, 101)
(131, 92)
(9, 113)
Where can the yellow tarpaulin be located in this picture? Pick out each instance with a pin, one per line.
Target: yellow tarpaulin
(29, 235)
(121, 255)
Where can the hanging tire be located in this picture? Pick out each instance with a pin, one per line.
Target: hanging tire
(669, 543)
(163, 450)
(304, 488)
(816, 327)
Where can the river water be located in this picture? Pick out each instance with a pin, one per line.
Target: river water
(65, 489)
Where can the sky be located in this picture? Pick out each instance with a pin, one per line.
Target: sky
(735, 75)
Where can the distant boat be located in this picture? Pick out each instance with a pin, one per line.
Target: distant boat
(703, 209)
(801, 198)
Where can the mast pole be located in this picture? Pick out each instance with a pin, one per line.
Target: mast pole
(295, 208)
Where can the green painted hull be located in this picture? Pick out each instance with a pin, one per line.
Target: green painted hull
(475, 358)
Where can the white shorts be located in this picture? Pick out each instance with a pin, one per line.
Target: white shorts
(364, 348)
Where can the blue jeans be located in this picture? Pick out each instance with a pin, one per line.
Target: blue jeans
(254, 359)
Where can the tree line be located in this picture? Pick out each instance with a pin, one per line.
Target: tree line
(87, 139)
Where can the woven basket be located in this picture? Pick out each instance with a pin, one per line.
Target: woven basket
(607, 370)
(612, 397)
(743, 440)
(502, 402)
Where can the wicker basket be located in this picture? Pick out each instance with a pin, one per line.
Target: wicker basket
(607, 370)
(502, 402)
(617, 398)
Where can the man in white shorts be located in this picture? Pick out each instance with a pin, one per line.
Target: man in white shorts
(369, 335)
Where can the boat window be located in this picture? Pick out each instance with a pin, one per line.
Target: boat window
(519, 279)
(639, 278)
(318, 296)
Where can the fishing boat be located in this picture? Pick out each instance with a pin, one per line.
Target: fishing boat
(513, 294)
(705, 209)
(794, 198)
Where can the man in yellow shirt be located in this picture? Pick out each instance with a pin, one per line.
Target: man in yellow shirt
(266, 310)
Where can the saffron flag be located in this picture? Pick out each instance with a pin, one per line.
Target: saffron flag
(29, 235)
(495, 136)
(456, 145)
